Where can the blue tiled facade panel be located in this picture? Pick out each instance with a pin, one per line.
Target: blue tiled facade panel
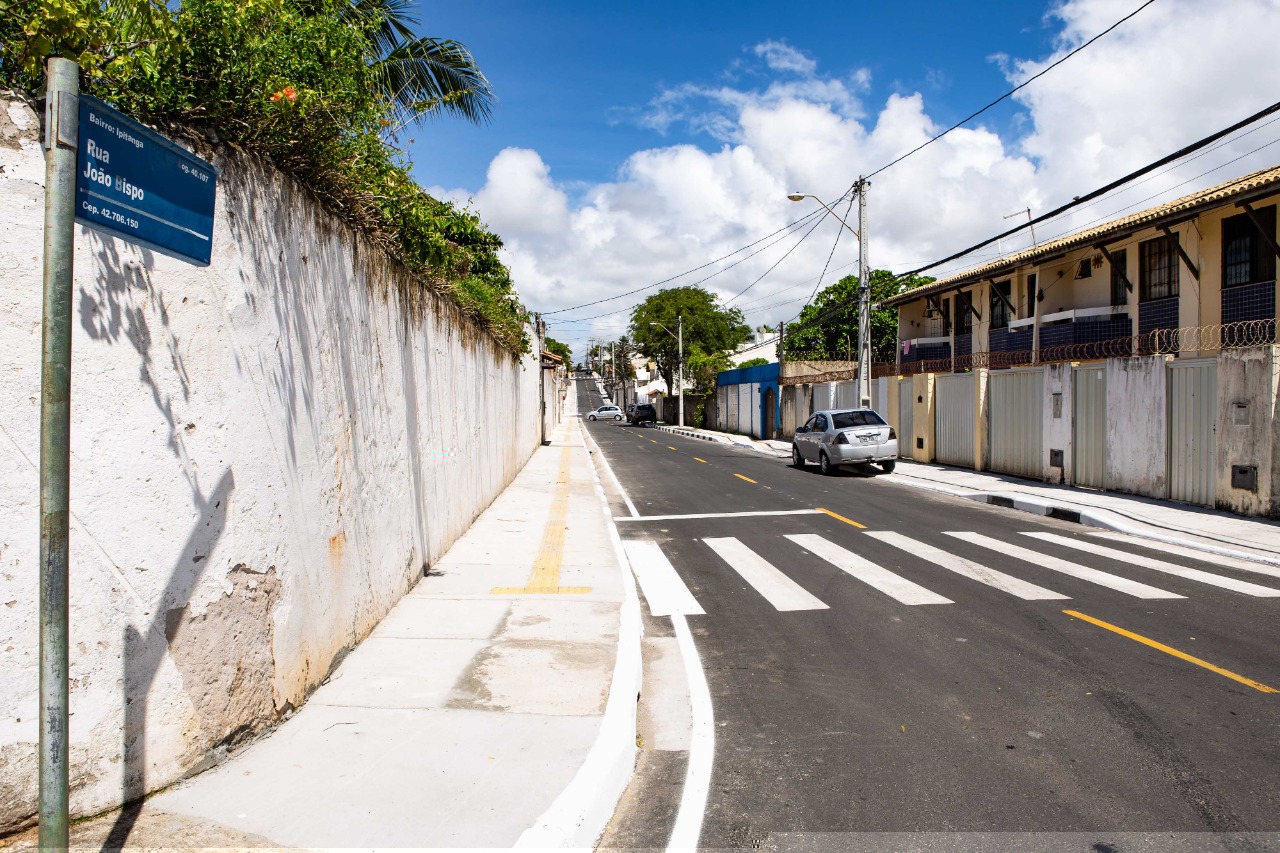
(1158, 314)
(1249, 302)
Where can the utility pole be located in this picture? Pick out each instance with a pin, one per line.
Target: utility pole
(680, 367)
(540, 330)
(864, 299)
(62, 116)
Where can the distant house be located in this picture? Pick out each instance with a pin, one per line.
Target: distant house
(1118, 289)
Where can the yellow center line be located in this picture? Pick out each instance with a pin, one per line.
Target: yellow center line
(740, 477)
(703, 461)
(1172, 651)
(669, 447)
(838, 517)
(545, 577)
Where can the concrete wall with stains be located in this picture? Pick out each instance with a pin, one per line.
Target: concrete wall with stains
(265, 455)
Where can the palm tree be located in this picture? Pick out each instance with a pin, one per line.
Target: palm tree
(420, 76)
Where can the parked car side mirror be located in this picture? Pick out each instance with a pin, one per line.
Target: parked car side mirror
(802, 429)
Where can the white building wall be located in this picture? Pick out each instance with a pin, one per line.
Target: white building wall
(1137, 426)
(265, 455)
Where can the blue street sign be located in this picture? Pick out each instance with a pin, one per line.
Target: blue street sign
(134, 184)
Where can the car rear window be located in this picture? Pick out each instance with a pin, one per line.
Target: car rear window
(844, 420)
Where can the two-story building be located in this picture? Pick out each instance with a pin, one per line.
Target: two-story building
(1196, 264)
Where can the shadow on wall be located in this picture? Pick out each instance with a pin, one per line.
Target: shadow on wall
(144, 653)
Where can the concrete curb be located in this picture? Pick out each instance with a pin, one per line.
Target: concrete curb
(579, 815)
(1102, 518)
(691, 434)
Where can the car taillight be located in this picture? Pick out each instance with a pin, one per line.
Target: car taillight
(892, 434)
(842, 439)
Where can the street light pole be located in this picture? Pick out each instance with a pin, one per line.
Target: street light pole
(680, 366)
(864, 300)
(864, 285)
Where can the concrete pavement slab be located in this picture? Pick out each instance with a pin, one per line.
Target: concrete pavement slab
(494, 705)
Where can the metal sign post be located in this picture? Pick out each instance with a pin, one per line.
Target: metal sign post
(108, 172)
(62, 89)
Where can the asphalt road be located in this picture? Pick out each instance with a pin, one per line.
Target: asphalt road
(927, 699)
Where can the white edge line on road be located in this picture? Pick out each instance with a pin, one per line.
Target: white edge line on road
(578, 816)
(722, 515)
(702, 745)
(599, 454)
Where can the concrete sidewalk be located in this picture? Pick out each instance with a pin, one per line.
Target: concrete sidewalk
(494, 706)
(1177, 524)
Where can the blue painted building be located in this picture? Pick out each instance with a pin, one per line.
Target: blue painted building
(747, 400)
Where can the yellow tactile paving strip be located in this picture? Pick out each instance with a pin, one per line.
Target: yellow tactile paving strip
(545, 577)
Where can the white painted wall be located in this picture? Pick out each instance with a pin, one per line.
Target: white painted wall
(1057, 423)
(1137, 426)
(1248, 408)
(265, 454)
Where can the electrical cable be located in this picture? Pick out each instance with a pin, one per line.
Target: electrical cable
(1011, 92)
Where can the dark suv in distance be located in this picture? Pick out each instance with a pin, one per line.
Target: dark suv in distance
(643, 413)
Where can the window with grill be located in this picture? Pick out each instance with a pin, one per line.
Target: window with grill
(1246, 256)
(1158, 268)
(1000, 307)
(964, 313)
(1119, 269)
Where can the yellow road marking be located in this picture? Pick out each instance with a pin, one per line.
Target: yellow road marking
(669, 447)
(838, 517)
(740, 477)
(654, 440)
(545, 577)
(1172, 651)
(703, 461)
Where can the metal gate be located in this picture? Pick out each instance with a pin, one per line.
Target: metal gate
(906, 405)
(1016, 401)
(722, 408)
(789, 423)
(731, 418)
(1192, 425)
(1089, 427)
(953, 423)
(752, 404)
(745, 409)
(846, 395)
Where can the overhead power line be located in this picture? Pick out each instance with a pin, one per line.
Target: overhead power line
(1011, 92)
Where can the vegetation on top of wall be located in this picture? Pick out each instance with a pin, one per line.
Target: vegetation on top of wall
(322, 88)
(827, 328)
(753, 362)
(554, 347)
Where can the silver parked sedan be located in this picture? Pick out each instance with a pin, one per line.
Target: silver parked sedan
(842, 437)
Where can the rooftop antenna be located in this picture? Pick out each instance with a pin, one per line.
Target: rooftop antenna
(1027, 212)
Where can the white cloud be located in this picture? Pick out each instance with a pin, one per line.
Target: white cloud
(1177, 71)
(781, 56)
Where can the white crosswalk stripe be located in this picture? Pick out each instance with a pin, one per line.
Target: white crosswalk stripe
(778, 589)
(1232, 584)
(967, 568)
(1066, 567)
(1190, 553)
(892, 585)
(661, 584)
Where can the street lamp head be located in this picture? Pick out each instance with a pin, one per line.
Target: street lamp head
(796, 196)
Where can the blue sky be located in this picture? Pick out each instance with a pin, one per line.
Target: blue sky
(635, 142)
(574, 77)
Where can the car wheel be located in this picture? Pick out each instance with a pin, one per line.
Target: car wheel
(797, 460)
(617, 417)
(591, 417)
(824, 464)
(888, 465)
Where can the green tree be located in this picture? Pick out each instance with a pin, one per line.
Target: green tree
(419, 76)
(827, 328)
(754, 362)
(702, 369)
(709, 328)
(554, 347)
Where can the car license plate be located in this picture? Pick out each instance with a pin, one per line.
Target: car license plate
(870, 438)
